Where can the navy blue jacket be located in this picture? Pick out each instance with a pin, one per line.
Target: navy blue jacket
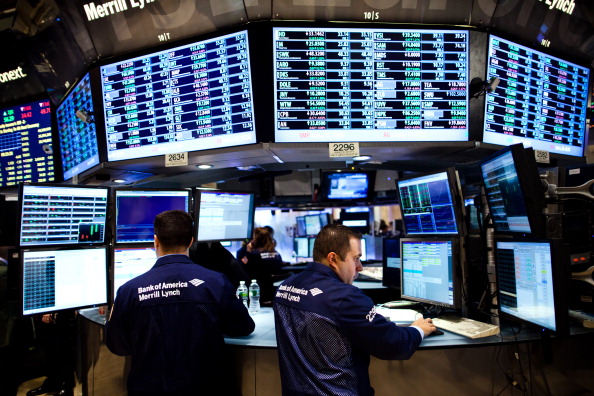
(326, 330)
(171, 320)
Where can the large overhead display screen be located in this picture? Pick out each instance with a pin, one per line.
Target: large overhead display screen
(26, 144)
(335, 85)
(188, 98)
(540, 100)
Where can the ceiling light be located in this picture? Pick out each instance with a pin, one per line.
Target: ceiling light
(205, 166)
(362, 158)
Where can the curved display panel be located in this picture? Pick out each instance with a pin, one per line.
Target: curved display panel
(540, 100)
(365, 85)
(187, 98)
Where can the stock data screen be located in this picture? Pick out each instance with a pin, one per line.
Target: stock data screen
(26, 144)
(188, 98)
(335, 85)
(78, 139)
(540, 100)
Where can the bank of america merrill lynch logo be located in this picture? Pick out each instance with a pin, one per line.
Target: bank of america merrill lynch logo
(196, 282)
(315, 291)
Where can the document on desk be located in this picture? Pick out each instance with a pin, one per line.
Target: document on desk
(399, 316)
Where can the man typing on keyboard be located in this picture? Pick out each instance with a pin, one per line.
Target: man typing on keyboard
(326, 328)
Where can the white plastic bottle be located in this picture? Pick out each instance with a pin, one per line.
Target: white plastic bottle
(242, 292)
(254, 297)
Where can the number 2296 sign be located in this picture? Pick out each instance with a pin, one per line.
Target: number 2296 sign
(343, 149)
(176, 159)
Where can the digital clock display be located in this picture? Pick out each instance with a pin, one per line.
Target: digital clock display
(540, 100)
(192, 97)
(335, 85)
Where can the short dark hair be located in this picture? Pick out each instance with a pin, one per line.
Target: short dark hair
(174, 229)
(334, 238)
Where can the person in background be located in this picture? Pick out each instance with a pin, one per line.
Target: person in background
(326, 328)
(262, 261)
(172, 319)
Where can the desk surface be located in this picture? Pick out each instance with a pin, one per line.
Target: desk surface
(264, 335)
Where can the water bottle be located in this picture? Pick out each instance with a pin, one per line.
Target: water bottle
(242, 292)
(254, 297)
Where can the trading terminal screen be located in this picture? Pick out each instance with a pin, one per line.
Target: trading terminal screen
(55, 215)
(525, 279)
(540, 100)
(427, 271)
(192, 97)
(428, 205)
(26, 144)
(58, 279)
(504, 193)
(225, 216)
(339, 84)
(78, 139)
(136, 211)
(130, 262)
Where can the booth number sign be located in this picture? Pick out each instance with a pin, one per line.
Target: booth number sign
(343, 149)
(176, 159)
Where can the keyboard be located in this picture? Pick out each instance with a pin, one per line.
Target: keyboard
(464, 326)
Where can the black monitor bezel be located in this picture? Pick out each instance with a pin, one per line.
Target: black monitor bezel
(106, 228)
(456, 278)
(561, 284)
(457, 202)
(114, 211)
(56, 248)
(530, 185)
(251, 226)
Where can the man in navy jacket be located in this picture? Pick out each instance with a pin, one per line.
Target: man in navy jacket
(326, 328)
(171, 320)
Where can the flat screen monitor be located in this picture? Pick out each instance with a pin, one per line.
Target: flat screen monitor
(431, 204)
(301, 245)
(391, 262)
(540, 100)
(62, 215)
(26, 153)
(531, 282)
(224, 216)
(347, 186)
(357, 220)
(57, 279)
(370, 85)
(513, 191)
(192, 97)
(136, 211)
(428, 271)
(301, 229)
(313, 224)
(78, 139)
(129, 262)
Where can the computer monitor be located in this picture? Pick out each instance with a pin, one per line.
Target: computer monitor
(78, 138)
(391, 262)
(540, 101)
(301, 229)
(192, 97)
(129, 262)
(340, 84)
(428, 272)
(347, 186)
(313, 224)
(533, 282)
(26, 144)
(57, 278)
(431, 204)
(358, 221)
(62, 215)
(224, 215)
(136, 211)
(301, 247)
(513, 191)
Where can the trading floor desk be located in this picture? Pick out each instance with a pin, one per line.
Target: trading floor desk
(445, 364)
